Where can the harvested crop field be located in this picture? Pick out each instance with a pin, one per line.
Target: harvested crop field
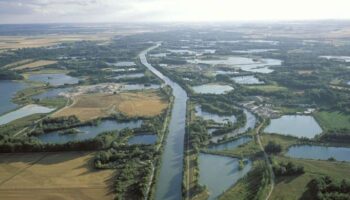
(21, 62)
(36, 64)
(15, 42)
(41, 176)
(90, 106)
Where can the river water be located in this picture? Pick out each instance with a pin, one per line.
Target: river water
(169, 182)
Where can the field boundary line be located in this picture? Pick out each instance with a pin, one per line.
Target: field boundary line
(23, 169)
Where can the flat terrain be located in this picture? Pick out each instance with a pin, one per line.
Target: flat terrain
(268, 88)
(36, 64)
(39, 176)
(295, 187)
(333, 120)
(21, 62)
(16, 42)
(90, 106)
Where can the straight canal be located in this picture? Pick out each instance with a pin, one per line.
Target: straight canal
(168, 186)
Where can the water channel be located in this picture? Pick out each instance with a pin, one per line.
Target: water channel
(169, 182)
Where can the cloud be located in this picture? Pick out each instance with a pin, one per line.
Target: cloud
(26, 11)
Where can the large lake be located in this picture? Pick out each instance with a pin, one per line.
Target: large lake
(52, 93)
(247, 80)
(230, 144)
(212, 89)
(219, 173)
(54, 79)
(23, 112)
(319, 152)
(215, 117)
(295, 125)
(143, 139)
(88, 132)
(247, 64)
(7, 90)
(340, 58)
(250, 124)
(133, 75)
(139, 87)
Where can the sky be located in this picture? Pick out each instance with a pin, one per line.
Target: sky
(85, 11)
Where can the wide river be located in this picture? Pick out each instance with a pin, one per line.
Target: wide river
(169, 182)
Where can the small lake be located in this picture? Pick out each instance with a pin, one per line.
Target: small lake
(139, 87)
(52, 93)
(8, 89)
(220, 180)
(135, 75)
(295, 125)
(181, 51)
(271, 42)
(247, 80)
(319, 152)
(23, 112)
(54, 79)
(253, 51)
(230, 144)
(215, 117)
(339, 58)
(143, 139)
(212, 89)
(250, 124)
(223, 72)
(88, 132)
(247, 64)
(124, 64)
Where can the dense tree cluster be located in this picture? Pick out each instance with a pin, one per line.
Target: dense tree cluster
(273, 148)
(287, 169)
(9, 75)
(323, 188)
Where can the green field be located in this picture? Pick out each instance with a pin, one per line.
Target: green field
(253, 186)
(284, 141)
(295, 187)
(332, 120)
(267, 88)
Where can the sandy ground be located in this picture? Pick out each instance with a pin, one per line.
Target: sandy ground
(63, 176)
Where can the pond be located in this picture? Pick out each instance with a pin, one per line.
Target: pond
(181, 51)
(212, 89)
(223, 72)
(230, 144)
(247, 80)
(7, 90)
(54, 79)
(295, 125)
(215, 117)
(23, 112)
(124, 64)
(338, 58)
(134, 75)
(247, 64)
(250, 124)
(143, 139)
(88, 132)
(216, 180)
(139, 87)
(253, 51)
(319, 152)
(52, 93)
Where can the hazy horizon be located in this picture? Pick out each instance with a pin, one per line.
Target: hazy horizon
(158, 11)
